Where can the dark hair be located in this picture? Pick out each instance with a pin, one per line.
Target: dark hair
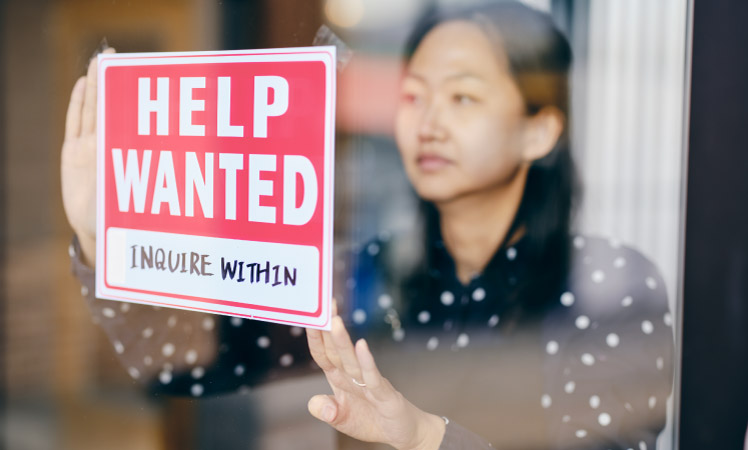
(539, 59)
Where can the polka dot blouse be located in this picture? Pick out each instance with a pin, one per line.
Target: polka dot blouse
(591, 369)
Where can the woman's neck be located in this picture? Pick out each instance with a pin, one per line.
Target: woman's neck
(473, 227)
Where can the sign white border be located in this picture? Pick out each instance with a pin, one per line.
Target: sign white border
(324, 54)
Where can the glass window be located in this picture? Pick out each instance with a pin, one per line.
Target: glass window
(508, 228)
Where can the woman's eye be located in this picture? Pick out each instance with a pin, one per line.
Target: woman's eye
(464, 99)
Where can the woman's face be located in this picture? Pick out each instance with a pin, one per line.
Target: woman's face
(460, 119)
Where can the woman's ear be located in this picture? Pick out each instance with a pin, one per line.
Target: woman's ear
(542, 131)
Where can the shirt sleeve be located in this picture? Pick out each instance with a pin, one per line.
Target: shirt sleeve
(190, 353)
(457, 437)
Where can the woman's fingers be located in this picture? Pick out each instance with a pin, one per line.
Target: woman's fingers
(88, 123)
(317, 349)
(380, 388)
(323, 407)
(73, 118)
(344, 348)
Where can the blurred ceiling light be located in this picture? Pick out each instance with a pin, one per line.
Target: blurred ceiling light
(344, 13)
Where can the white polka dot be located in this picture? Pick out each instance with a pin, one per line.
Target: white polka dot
(373, 248)
(598, 276)
(296, 331)
(581, 433)
(567, 299)
(171, 322)
(463, 340)
(627, 301)
(479, 294)
(424, 316)
(432, 343)
(125, 307)
(569, 387)
(108, 312)
(660, 363)
(239, 370)
(612, 340)
(647, 327)
(164, 377)
(350, 283)
(147, 332)
(190, 357)
(236, 321)
(628, 407)
(384, 301)
(493, 320)
(511, 253)
(208, 323)
(551, 347)
(197, 372)
(147, 360)
(582, 322)
(587, 359)
(359, 316)
(167, 349)
(652, 402)
(619, 262)
(118, 347)
(263, 342)
(196, 390)
(545, 401)
(579, 242)
(286, 360)
(565, 418)
(447, 298)
(668, 319)
(651, 283)
(603, 419)
(594, 402)
(642, 445)
(71, 250)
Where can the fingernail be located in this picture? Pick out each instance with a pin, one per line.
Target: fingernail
(328, 413)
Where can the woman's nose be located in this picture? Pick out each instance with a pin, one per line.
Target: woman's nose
(431, 126)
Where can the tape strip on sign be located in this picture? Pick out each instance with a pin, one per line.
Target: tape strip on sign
(215, 182)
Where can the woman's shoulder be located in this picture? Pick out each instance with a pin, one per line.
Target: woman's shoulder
(609, 277)
(612, 290)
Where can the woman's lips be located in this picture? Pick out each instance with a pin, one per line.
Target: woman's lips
(429, 162)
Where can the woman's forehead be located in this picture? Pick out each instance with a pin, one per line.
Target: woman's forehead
(457, 49)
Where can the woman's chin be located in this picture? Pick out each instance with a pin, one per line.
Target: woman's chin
(435, 194)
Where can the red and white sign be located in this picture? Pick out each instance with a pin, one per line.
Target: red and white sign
(215, 182)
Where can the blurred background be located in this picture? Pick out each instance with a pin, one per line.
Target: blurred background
(62, 385)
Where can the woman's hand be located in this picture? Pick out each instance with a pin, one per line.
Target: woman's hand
(364, 405)
(78, 168)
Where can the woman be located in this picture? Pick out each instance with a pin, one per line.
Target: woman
(481, 127)
(481, 131)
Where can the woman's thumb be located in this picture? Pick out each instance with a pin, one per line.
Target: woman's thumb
(323, 407)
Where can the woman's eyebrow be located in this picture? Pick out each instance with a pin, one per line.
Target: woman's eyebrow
(452, 77)
(463, 76)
